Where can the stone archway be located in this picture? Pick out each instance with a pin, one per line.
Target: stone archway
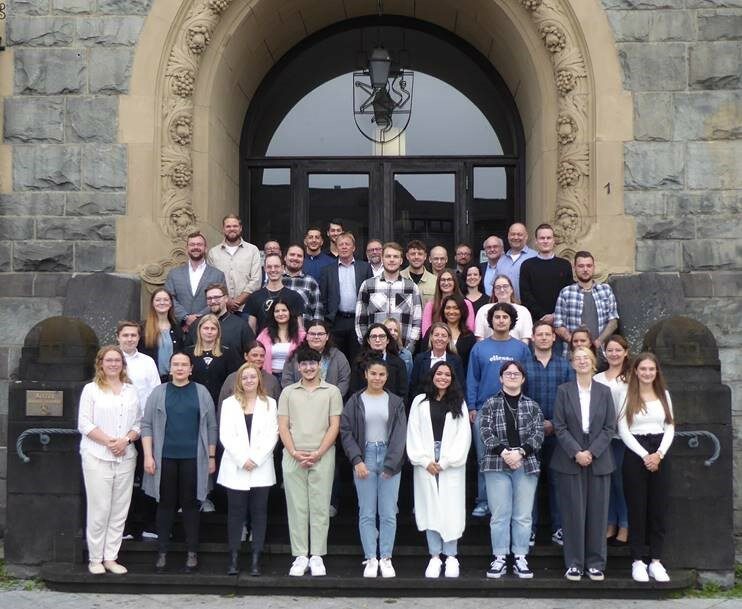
(184, 114)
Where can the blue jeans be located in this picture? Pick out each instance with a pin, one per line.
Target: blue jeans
(510, 495)
(618, 513)
(479, 447)
(377, 495)
(547, 450)
(437, 546)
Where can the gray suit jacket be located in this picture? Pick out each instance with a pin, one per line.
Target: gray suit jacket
(568, 428)
(179, 285)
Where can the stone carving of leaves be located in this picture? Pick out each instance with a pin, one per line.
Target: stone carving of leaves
(155, 273)
(566, 129)
(218, 6)
(179, 218)
(531, 5)
(553, 36)
(571, 60)
(181, 130)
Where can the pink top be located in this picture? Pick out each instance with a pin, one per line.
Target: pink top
(428, 316)
(265, 340)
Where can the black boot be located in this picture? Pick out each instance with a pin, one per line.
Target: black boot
(255, 564)
(233, 568)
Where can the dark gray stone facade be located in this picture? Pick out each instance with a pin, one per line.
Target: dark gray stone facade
(681, 59)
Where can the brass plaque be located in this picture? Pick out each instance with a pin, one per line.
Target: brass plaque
(44, 403)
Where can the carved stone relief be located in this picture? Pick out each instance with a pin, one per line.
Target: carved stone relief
(553, 24)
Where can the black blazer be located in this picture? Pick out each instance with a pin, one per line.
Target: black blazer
(421, 372)
(329, 286)
(176, 337)
(568, 428)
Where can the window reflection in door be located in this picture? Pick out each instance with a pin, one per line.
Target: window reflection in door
(270, 205)
(492, 204)
(424, 208)
(342, 196)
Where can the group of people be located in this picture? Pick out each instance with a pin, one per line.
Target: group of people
(236, 358)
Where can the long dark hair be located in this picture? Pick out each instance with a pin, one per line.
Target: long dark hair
(367, 354)
(319, 322)
(272, 325)
(438, 297)
(464, 310)
(453, 397)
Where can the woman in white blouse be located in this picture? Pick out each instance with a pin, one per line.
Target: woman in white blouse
(647, 428)
(108, 420)
(617, 378)
(502, 291)
(438, 441)
(248, 430)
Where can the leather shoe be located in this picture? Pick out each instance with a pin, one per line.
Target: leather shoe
(114, 567)
(233, 568)
(255, 565)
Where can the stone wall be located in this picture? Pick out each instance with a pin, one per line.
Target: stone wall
(682, 59)
(71, 59)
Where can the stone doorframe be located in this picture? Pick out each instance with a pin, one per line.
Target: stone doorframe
(199, 62)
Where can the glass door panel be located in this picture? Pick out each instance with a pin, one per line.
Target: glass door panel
(424, 208)
(342, 196)
(270, 205)
(492, 204)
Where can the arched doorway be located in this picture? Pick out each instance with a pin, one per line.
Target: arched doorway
(455, 174)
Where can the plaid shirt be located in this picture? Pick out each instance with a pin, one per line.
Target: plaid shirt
(379, 299)
(568, 310)
(308, 289)
(542, 381)
(493, 429)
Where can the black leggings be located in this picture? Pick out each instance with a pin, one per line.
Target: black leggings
(239, 503)
(646, 497)
(178, 487)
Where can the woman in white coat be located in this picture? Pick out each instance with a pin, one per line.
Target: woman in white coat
(438, 440)
(248, 430)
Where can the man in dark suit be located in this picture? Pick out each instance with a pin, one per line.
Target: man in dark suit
(339, 285)
(187, 283)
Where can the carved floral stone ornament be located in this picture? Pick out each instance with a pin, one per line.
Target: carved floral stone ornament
(566, 129)
(181, 130)
(553, 37)
(531, 5)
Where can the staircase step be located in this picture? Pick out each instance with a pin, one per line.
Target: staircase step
(345, 579)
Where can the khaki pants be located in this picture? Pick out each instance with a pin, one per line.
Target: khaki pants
(308, 503)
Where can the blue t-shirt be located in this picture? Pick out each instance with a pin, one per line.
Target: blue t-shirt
(181, 424)
(485, 360)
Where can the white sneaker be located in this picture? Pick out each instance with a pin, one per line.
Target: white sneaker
(333, 511)
(149, 535)
(386, 568)
(207, 505)
(639, 571)
(372, 567)
(317, 566)
(658, 572)
(452, 567)
(434, 567)
(299, 566)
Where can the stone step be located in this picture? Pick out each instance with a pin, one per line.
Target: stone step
(344, 579)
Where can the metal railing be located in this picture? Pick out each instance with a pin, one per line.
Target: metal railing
(44, 434)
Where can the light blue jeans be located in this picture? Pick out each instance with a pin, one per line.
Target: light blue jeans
(510, 494)
(482, 497)
(437, 546)
(377, 495)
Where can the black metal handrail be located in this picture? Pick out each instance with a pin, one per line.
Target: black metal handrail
(44, 439)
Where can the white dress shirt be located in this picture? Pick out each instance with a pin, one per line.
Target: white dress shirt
(585, 406)
(194, 275)
(143, 374)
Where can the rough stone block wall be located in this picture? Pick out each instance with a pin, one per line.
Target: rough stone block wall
(682, 59)
(72, 58)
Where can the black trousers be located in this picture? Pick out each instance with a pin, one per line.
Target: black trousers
(178, 479)
(344, 336)
(241, 503)
(646, 497)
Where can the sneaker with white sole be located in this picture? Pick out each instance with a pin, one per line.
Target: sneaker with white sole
(480, 510)
(498, 568)
(658, 572)
(207, 506)
(532, 539)
(639, 571)
(386, 568)
(149, 535)
(372, 567)
(595, 575)
(521, 568)
(317, 566)
(573, 574)
(434, 567)
(299, 566)
(557, 537)
(452, 568)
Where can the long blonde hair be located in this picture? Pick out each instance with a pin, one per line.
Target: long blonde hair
(634, 402)
(198, 350)
(239, 390)
(100, 378)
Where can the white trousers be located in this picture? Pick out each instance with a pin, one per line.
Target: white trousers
(108, 486)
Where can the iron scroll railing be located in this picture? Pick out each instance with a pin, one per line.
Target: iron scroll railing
(45, 434)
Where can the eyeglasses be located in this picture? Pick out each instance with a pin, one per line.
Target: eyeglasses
(446, 280)
(512, 375)
(502, 288)
(316, 334)
(377, 336)
(210, 298)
